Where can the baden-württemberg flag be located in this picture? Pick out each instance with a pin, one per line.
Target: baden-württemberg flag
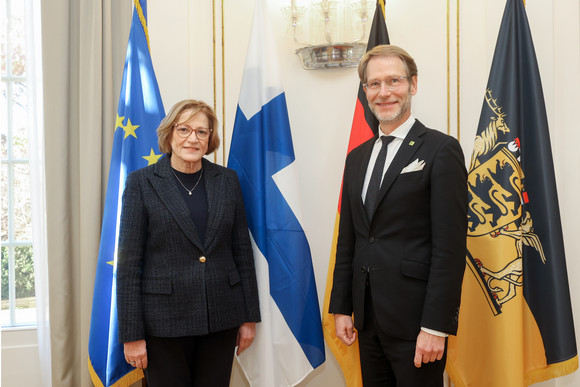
(515, 324)
(364, 126)
(288, 343)
(134, 146)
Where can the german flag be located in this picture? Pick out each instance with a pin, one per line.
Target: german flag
(515, 323)
(364, 126)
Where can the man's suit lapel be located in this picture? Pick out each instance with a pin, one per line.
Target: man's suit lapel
(409, 147)
(163, 184)
(359, 178)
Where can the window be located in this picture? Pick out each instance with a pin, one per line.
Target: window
(17, 263)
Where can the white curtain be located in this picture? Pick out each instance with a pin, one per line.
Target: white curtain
(38, 197)
(83, 45)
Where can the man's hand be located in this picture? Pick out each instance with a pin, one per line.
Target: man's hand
(344, 328)
(429, 348)
(245, 338)
(136, 353)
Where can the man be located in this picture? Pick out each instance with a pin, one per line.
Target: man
(401, 246)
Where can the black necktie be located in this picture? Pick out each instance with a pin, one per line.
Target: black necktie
(376, 177)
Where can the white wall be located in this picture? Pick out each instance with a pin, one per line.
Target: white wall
(321, 102)
(20, 363)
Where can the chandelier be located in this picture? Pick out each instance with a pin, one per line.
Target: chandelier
(330, 34)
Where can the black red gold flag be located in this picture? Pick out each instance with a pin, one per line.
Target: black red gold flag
(515, 323)
(364, 126)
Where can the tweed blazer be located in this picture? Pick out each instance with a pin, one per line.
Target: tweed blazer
(169, 282)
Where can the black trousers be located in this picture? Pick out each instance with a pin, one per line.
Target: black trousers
(388, 361)
(192, 361)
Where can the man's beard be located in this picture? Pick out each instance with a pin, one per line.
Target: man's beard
(388, 118)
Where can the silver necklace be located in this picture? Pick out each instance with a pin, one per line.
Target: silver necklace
(189, 191)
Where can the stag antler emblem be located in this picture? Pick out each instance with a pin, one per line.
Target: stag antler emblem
(486, 141)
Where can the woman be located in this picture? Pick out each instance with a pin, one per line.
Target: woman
(186, 283)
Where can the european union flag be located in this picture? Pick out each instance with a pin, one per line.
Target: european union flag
(289, 342)
(135, 146)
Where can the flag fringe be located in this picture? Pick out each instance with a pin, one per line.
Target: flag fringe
(125, 381)
(536, 376)
(143, 22)
(552, 371)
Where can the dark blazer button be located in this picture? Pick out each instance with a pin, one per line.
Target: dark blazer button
(202, 259)
(372, 239)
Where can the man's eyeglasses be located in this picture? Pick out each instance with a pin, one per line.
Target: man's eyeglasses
(185, 131)
(392, 84)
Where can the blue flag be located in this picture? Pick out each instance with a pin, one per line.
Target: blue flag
(135, 146)
(289, 342)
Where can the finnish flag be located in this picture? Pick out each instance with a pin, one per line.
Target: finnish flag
(289, 342)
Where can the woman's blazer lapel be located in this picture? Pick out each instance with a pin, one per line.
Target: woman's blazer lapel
(163, 183)
(215, 186)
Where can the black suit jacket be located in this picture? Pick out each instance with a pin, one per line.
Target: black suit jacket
(413, 249)
(164, 286)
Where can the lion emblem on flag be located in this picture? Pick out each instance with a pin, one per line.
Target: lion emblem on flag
(498, 225)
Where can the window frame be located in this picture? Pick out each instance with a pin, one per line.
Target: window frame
(32, 79)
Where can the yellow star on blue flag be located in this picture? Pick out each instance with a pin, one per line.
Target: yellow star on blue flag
(152, 158)
(130, 129)
(119, 122)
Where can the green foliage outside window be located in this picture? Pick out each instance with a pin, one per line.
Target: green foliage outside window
(23, 270)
